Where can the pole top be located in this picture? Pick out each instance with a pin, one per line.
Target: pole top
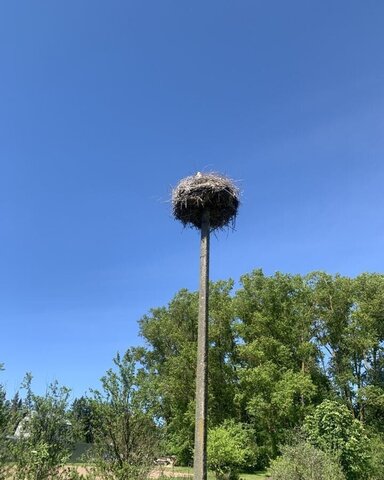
(206, 191)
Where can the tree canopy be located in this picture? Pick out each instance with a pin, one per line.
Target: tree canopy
(280, 348)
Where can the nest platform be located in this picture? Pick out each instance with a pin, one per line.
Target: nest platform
(206, 191)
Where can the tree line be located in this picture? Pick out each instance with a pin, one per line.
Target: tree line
(278, 346)
(281, 349)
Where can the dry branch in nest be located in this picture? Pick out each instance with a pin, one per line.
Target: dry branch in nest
(206, 191)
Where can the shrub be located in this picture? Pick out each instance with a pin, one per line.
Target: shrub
(4, 421)
(124, 434)
(229, 448)
(45, 436)
(377, 457)
(333, 429)
(303, 461)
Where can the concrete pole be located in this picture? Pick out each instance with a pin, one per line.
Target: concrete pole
(200, 455)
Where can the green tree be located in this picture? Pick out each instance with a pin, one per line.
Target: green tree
(17, 411)
(170, 358)
(377, 457)
(278, 368)
(44, 438)
(223, 354)
(278, 347)
(3, 406)
(170, 361)
(333, 429)
(230, 447)
(124, 432)
(83, 416)
(350, 333)
(334, 303)
(4, 430)
(367, 349)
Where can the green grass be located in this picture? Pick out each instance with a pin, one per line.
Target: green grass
(211, 475)
(254, 476)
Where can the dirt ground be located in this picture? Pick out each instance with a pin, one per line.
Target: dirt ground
(168, 472)
(154, 474)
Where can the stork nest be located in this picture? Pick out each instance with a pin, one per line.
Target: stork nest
(206, 191)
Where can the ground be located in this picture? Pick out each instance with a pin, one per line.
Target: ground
(187, 472)
(184, 473)
(178, 473)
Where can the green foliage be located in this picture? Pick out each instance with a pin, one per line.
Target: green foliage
(350, 319)
(124, 432)
(3, 407)
(230, 448)
(333, 429)
(303, 461)
(377, 457)
(45, 437)
(4, 431)
(170, 360)
(278, 347)
(4, 413)
(82, 415)
(279, 374)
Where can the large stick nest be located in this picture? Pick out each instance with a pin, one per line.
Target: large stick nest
(206, 191)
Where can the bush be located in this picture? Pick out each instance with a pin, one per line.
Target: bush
(125, 436)
(333, 429)
(44, 437)
(303, 461)
(4, 421)
(377, 457)
(229, 448)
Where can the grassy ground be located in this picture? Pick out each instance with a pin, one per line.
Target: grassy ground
(186, 473)
(211, 476)
(254, 476)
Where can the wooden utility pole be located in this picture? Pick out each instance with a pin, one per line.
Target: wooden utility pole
(206, 201)
(200, 456)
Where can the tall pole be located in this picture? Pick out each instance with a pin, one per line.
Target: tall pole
(200, 455)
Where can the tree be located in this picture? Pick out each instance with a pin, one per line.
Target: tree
(4, 431)
(44, 438)
(377, 457)
(170, 358)
(333, 429)
(3, 407)
(278, 360)
(277, 347)
(334, 303)
(350, 333)
(83, 416)
(367, 349)
(124, 432)
(223, 354)
(230, 448)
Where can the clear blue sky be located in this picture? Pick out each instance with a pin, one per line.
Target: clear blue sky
(104, 106)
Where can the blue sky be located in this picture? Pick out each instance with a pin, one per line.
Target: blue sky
(104, 106)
